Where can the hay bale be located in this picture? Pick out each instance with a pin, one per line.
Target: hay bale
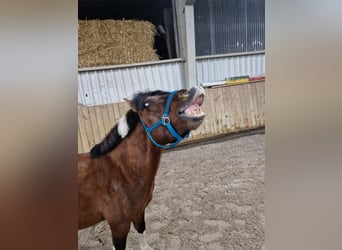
(110, 42)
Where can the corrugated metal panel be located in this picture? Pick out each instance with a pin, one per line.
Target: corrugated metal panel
(218, 68)
(229, 26)
(110, 85)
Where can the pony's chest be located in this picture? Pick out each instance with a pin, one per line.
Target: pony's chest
(140, 194)
(139, 197)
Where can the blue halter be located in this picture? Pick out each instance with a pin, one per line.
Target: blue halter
(165, 121)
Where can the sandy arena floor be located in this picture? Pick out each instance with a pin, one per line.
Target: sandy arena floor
(207, 196)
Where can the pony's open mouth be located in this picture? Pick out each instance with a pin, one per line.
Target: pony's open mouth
(192, 108)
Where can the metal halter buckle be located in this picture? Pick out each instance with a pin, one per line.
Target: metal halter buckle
(165, 120)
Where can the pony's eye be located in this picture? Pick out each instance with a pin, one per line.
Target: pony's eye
(185, 93)
(146, 105)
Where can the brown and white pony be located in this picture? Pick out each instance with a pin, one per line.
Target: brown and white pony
(116, 179)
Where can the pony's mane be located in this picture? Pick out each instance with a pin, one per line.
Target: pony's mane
(116, 135)
(125, 125)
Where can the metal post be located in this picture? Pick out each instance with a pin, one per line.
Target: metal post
(190, 49)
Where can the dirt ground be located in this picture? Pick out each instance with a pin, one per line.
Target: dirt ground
(207, 195)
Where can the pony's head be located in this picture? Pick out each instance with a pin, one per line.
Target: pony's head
(181, 109)
(166, 117)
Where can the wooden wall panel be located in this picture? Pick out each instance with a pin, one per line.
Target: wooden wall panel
(228, 109)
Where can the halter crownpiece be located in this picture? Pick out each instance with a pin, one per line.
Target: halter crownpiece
(165, 121)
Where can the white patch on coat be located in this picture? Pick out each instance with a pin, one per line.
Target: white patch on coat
(123, 126)
(143, 242)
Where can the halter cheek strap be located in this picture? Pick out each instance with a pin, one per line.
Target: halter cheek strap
(165, 121)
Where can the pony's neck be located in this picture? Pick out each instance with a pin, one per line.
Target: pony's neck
(143, 155)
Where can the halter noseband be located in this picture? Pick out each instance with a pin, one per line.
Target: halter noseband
(165, 121)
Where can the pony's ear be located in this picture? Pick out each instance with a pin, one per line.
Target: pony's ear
(131, 104)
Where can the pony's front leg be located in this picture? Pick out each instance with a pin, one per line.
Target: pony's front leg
(139, 225)
(119, 236)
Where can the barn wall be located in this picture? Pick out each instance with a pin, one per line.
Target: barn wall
(104, 85)
(111, 84)
(228, 109)
(216, 68)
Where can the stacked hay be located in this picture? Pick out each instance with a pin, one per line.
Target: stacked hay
(108, 42)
